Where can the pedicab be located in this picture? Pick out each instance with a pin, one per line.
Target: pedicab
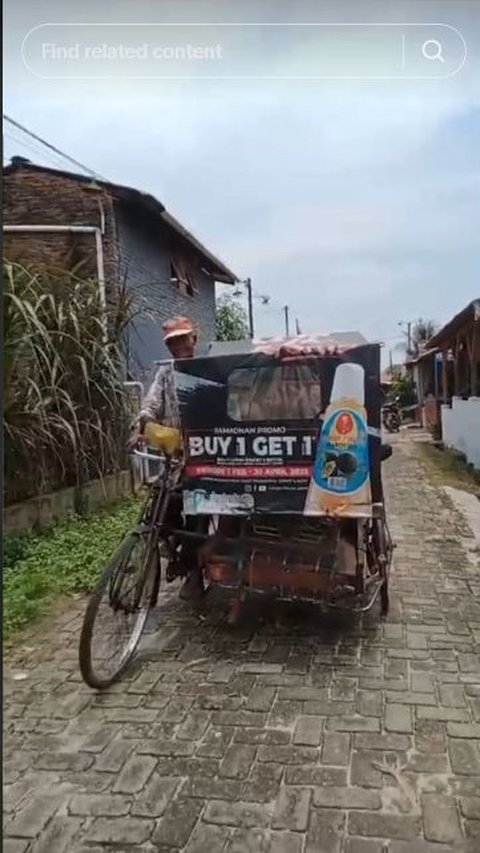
(274, 481)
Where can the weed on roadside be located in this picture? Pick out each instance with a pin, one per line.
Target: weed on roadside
(40, 567)
(447, 468)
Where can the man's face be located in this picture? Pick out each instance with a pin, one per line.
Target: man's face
(182, 346)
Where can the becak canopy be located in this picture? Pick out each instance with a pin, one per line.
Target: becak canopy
(309, 345)
(335, 342)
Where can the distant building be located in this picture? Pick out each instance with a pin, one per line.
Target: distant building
(123, 237)
(447, 377)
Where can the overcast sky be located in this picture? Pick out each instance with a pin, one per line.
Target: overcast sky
(354, 202)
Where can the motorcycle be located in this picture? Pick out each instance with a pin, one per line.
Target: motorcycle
(391, 417)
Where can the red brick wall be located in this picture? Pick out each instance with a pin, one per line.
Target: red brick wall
(40, 198)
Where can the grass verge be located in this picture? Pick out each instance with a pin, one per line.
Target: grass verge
(447, 468)
(67, 558)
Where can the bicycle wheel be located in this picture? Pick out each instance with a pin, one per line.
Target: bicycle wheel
(117, 610)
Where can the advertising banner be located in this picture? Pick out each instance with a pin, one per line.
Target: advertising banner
(270, 435)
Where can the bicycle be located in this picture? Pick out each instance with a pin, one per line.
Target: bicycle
(129, 585)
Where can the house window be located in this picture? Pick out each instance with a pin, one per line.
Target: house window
(182, 277)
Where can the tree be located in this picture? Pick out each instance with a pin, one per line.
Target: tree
(422, 331)
(403, 387)
(231, 322)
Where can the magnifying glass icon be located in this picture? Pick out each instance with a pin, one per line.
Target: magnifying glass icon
(432, 49)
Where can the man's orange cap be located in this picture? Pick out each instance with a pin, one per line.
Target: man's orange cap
(178, 326)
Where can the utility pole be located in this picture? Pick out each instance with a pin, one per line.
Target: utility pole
(408, 333)
(287, 322)
(248, 285)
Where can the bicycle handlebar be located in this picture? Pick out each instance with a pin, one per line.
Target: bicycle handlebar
(142, 454)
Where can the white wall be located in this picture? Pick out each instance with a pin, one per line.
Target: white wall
(461, 428)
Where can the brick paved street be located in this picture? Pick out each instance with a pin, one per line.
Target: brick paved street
(291, 734)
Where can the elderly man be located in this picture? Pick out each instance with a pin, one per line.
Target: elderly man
(160, 405)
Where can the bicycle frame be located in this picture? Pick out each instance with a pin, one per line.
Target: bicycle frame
(164, 483)
(152, 515)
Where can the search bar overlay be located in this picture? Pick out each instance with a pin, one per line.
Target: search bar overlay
(244, 51)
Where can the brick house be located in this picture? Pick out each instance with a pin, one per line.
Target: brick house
(57, 219)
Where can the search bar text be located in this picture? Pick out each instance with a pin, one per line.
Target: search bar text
(244, 51)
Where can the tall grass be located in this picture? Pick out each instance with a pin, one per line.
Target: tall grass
(65, 411)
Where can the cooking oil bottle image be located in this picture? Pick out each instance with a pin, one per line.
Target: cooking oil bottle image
(340, 483)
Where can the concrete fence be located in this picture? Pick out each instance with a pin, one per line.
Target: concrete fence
(461, 428)
(46, 510)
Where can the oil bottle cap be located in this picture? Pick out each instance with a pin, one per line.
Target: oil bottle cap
(349, 383)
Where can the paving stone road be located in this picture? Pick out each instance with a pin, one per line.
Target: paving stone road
(292, 734)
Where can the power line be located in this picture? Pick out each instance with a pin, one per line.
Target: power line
(36, 144)
(54, 154)
(35, 148)
(270, 306)
(30, 133)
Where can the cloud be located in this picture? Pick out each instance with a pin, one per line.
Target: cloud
(357, 204)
